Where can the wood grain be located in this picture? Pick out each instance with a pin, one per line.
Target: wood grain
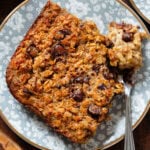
(7, 143)
(8, 138)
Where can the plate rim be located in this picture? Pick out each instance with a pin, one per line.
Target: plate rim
(139, 11)
(105, 146)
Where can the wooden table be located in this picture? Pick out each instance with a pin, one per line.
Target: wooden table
(13, 142)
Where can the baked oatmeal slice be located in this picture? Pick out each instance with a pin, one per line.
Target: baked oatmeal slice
(60, 72)
(126, 51)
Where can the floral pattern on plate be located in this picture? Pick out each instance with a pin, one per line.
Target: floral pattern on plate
(30, 126)
(143, 6)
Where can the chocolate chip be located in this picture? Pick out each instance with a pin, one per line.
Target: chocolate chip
(76, 45)
(27, 92)
(55, 69)
(78, 80)
(94, 110)
(101, 87)
(77, 95)
(81, 79)
(86, 79)
(58, 86)
(32, 50)
(138, 27)
(108, 75)
(65, 31)
(104, 70)
(96, 68)
(127, 37)
(109, 43)
(58, 50)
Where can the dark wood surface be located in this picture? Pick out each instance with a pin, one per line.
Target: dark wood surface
(141, 133)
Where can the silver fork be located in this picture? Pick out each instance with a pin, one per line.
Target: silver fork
(129, 140)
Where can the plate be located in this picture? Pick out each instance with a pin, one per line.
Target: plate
(142, 7)
(31, 128)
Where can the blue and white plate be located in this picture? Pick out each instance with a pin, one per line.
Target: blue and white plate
(31, 128)
(143, 8)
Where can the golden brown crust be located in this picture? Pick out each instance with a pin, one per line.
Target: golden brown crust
(60, 72)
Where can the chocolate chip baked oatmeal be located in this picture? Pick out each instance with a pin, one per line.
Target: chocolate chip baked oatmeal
(60, 72)
(126, 52)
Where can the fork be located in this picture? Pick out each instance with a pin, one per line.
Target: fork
(129, 140)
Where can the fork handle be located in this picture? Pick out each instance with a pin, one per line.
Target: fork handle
(129, 141)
